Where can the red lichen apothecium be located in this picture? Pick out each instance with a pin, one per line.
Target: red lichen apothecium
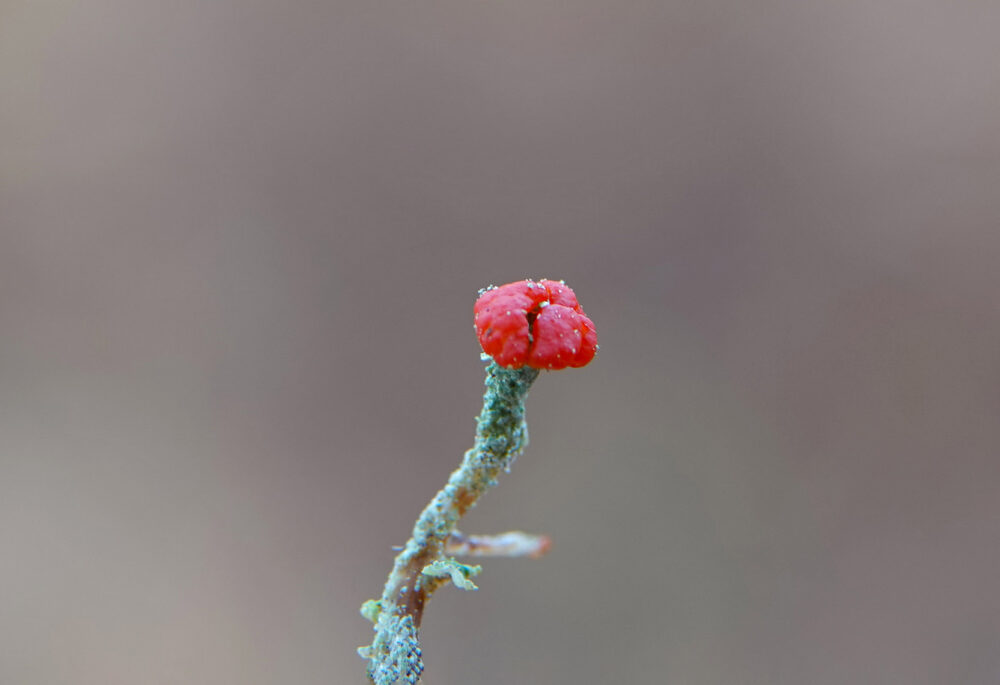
(534, 323)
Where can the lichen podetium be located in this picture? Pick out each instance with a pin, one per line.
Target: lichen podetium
(525, 326)
(501, 435)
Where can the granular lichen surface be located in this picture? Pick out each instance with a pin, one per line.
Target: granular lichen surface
(423, 566)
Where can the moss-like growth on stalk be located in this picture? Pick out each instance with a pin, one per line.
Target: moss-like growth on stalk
(422, 566)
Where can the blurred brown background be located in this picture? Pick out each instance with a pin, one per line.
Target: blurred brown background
(239, 246)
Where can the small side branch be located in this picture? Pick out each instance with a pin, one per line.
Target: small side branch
(510, 544)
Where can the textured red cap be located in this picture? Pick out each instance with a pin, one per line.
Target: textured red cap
(534, 323)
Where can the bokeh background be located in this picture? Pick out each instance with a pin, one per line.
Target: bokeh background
(239, 246)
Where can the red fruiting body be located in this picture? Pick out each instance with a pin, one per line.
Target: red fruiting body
(534, 323)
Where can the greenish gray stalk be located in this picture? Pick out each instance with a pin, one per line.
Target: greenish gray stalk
(422, 567)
